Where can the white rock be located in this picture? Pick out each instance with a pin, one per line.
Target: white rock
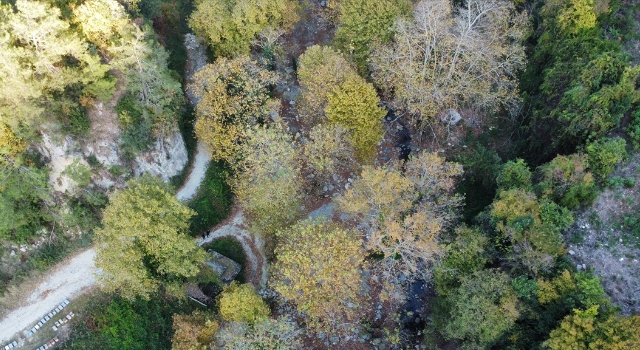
(13, 253)
(571, 252)
(167, 158)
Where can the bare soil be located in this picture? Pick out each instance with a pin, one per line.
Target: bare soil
(600, 241)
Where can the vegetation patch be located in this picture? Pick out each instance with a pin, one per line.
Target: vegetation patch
(213, 200)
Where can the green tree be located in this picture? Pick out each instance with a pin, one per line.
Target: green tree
(514, 175)
(585, 330)
(229, 26)
(143, 242)
(354, 105)
(241, 303)
(40, 57)
(605, 154)
(232, 94)
(318, 267)
(464, 255)
(567, 181)
(362, 22)
(267, 181)
(481, 310)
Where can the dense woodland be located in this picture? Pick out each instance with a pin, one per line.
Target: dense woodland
(462, 151)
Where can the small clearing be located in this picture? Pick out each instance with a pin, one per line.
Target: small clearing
(600, 240)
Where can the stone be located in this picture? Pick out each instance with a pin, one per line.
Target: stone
(335, 177)
(334, 340)
(331, 187)
(571, 252)
(452, 117)
(350, 180)
(346, 186)
(275, 116)
(323, 4)
(165, 159)
(324, 188)
(289, 70)
(399, 128)
(292, 102)
(13, 253)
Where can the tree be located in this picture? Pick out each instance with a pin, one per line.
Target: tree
(466, 254)
(585, 330)
(604, 154)
(354, 105)
(193, 332)
(232, 94)
(228, 26)
(514, 175)
(39, 57)
(264, 334)
(567, 181)
(327, 151)
(241, 303)
(530, 228)
(320, 70)
(318, 267)
(401, 215)
(143, 242)
(453, 58)
(267, 179)
(156, 96)
(361, 23)
(481, 310)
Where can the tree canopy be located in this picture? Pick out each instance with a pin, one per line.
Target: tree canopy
(143, 244)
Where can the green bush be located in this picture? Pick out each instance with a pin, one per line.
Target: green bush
(213, 200)
(363, 22)
(604, 154)
(514, 174)
(634, 128)
(567, 182)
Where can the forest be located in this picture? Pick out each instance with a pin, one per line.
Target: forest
(320, 174)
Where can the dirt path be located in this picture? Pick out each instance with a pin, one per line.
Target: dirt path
(200, 163)
(68, 280)
(253, 247)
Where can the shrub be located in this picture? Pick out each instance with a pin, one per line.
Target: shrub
(604, 154)
(514, 175)
(354, 105)
(566, 181)
(241, 303)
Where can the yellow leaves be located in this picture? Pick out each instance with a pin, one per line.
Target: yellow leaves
(354, 105)
(142, 243)
(232, 95)
(241, 303)
(550, 291)
(318, 268)
(193, 332)
(266, 181)
(10, 144)
(401, 214)
(327, 150)
(230, 25)
(320, 70)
